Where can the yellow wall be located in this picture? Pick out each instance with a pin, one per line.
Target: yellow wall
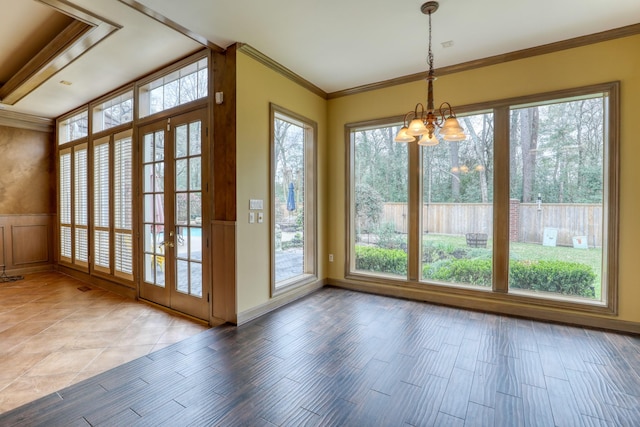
(257, 86)
(599, 63)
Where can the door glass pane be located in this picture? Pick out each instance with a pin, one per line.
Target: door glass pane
(194, 141)
(181, 174)
(181, 141)
(557, 193)
(457, 206)
(188, 211)
(380, 196)
(153, 197)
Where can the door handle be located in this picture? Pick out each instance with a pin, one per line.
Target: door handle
(167, 243)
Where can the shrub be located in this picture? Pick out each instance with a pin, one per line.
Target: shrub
(470, 271)
(566, 278)
(370, 258)
(296, 242)
(388, 238)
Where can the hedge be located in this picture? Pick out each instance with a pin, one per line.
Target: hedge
(370, 258)
(560, 277)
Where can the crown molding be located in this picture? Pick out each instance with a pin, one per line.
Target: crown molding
(279, 68)
(616, 33)
(26, 121)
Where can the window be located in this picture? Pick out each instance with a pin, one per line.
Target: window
(293, 195)
(73, 128)
(184, 85)
(101, 205)
(64, 190)
(457, 206)
(114, 112)
(112, 205)
(558, 197)
(123, 205)
(380, 189)
(80, 210)
(525, 208)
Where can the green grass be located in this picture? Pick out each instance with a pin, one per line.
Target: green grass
(534, 252)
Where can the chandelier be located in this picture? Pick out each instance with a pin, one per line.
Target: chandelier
(423, 124)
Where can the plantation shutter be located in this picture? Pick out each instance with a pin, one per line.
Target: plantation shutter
(81, 253)
(65, 205)
(101, 207)
(123, 200)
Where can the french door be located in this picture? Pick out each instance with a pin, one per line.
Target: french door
(174, 207)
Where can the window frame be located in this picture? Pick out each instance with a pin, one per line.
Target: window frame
(499, 291)
(310, 259)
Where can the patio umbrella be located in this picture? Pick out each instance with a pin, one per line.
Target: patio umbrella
(291, 199)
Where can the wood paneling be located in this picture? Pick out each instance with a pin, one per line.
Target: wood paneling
(223, 271)
(27, 242)
(224, 137)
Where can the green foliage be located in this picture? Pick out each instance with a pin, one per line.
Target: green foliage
(368, 206)
(392, 261)
(469, 271)
(560, 277)
(296, 242)
(388, 238)
(566, 278)
(436, 251)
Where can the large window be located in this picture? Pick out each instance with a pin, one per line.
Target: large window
(380, 218)
(293, 193)
(558, 198)
(186, 84)
(73, 180)
(457, 206)
(112, 205)
(525, 207)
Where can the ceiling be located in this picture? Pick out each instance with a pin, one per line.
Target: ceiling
(335, 45)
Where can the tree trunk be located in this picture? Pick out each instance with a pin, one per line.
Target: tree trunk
(528, 144)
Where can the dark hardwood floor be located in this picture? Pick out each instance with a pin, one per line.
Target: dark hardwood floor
(343, 358)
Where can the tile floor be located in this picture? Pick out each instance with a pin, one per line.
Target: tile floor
(53, 334)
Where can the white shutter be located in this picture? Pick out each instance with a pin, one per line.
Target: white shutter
(123, 202)
(64, 194)
(101, 209)
(81, 253)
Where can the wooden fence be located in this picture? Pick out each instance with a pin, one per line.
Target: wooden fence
(569, 220)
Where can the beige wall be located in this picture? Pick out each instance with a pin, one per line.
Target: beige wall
(599, 63)
(257, 86)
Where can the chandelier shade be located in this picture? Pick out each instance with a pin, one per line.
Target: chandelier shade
(423, 125)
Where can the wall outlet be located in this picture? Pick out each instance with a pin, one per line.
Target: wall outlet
(330, 257)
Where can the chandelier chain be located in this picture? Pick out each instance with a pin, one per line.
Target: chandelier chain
(430, 53)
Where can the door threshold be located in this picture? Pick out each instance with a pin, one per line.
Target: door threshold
(179, 313)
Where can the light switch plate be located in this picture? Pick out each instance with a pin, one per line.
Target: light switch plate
(256, 204)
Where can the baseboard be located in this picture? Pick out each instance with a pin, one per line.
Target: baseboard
(29, 270)
(279, 301)
(477, 304)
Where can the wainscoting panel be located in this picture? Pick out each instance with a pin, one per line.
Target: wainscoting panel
(26, 242)
(30, 244)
